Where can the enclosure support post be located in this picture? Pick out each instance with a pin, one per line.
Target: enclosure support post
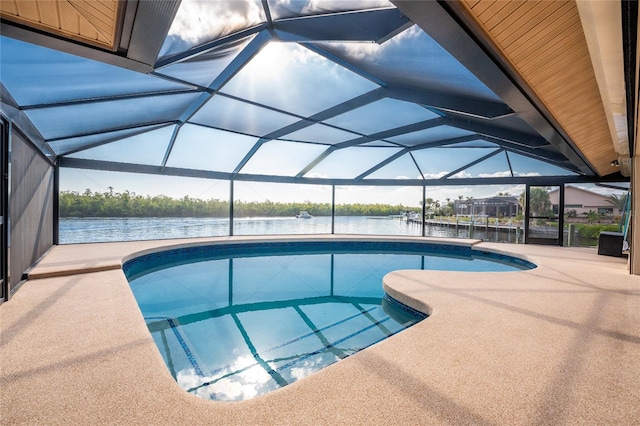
(561, 215)
(56, 204)
(424, 209)
(231, 208)
(333, 209)
(526, 213)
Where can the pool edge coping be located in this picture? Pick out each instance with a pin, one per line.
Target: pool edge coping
(129, 250)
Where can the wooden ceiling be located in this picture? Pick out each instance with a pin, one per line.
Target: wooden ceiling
(95, 22)
(544, 42)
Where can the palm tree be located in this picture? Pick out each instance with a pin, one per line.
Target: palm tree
(459, 206)
(618, 202)
(521, 201)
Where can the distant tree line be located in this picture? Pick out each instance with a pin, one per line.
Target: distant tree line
(129, 204)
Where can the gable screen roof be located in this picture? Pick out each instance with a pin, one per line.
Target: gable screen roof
(348, 92)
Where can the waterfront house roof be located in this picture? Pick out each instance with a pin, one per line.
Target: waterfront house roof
(495, 200)
(581, 198)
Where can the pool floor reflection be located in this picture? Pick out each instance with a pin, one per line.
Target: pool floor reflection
(232, 329)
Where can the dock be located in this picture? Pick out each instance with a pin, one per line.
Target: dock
(486, 229)
(485, 223)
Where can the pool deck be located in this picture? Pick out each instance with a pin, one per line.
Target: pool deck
(556, 345)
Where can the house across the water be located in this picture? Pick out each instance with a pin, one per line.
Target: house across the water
(497, 206)
(583, 201)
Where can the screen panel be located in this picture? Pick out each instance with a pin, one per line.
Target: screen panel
(289, 77)
(223, 18)
(350, 162)
(201, 148)
(230, 114)
(382, 115)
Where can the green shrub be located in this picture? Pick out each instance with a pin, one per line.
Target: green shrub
(593, 231)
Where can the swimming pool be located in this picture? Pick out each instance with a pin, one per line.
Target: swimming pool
(237, 320)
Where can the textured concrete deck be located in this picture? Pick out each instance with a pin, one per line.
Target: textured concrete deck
(556, 345)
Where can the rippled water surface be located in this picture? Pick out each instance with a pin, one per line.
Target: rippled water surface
(83, 230)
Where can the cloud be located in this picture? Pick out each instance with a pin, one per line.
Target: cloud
(514, 190)
(505, 173)
(434, 175)
(371, 51)
(316, 175)
(199, 21)
(461, 175)
(357, 188)
(315, 7)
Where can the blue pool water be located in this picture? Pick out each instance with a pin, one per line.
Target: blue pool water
(237, 320)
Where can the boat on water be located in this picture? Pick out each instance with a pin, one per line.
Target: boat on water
(303, 215)
(410, 216)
